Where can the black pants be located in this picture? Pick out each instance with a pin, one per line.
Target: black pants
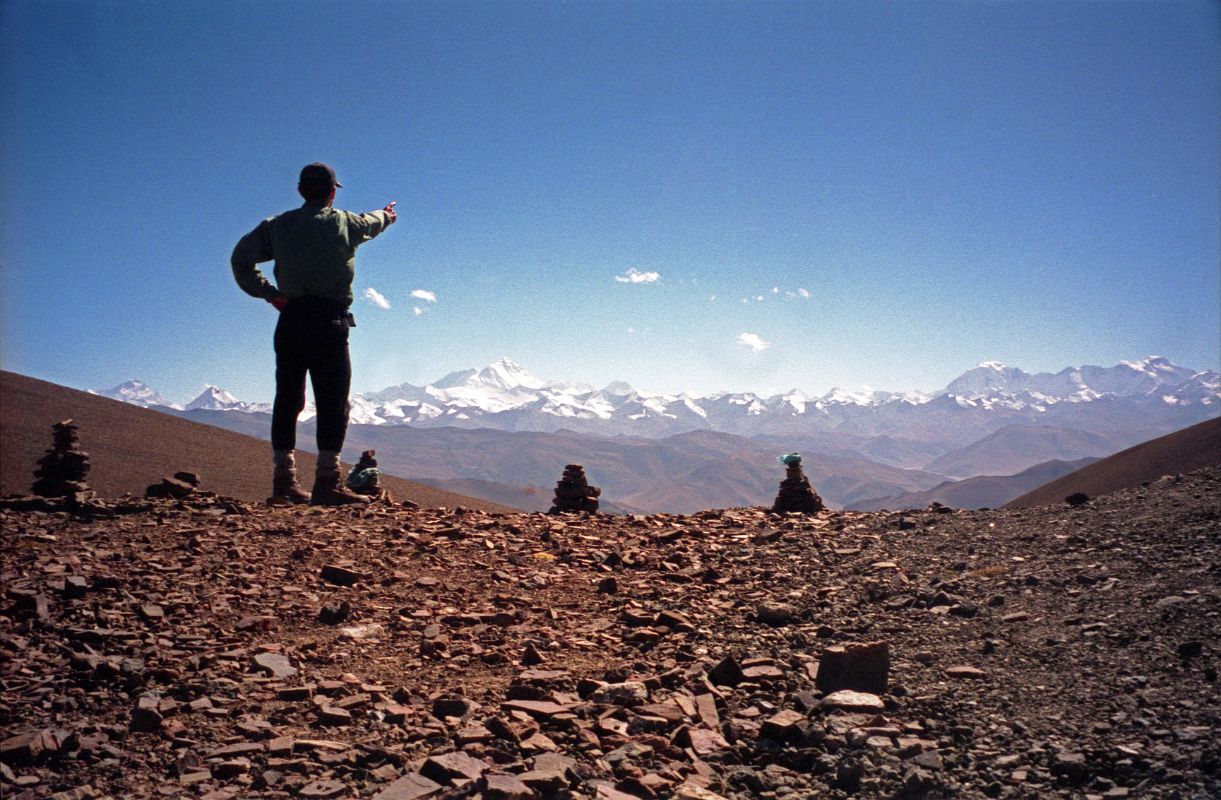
(312, 337)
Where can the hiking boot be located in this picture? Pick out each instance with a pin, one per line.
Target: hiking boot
(284, 487)
(328, 491)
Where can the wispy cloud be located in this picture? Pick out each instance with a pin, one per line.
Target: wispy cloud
(417, 311)
(376, 298)
(634, 275)
(804, 294)
(424, 294)
(754, 341)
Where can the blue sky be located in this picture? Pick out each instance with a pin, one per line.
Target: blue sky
(802, 195)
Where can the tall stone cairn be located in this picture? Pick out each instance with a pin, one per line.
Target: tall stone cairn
(795, 493)
(573, 492)
(61, 472)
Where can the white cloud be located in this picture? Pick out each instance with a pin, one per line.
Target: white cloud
(417, 310)
(753, 341)
(376, 298)
(634, 275)
(712, 299)
(775, 290)
(804, 293)
(758, 298)
(424, 294)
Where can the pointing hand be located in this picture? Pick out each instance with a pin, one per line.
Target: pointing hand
(389, 209)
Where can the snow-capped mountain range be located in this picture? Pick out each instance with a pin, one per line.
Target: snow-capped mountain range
(212, 398)
(504, 396)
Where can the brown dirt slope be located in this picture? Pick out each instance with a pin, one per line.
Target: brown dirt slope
(1182, 451)
(132, 447)
(982, 491)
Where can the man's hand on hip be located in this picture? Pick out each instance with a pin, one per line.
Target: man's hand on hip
(279, 301)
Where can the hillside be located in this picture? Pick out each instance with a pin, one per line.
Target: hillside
(983, 491)
(1182, 451)
(1015, 448)
(131, 447)
(234, 650)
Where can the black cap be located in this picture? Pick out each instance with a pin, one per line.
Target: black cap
(319, 173)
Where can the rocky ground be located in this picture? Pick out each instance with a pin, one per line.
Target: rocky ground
(211, 649)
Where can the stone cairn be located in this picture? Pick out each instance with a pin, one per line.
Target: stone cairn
(365, 477)
(179, 487)
(573, 492)
(795, 493)
(61, 472)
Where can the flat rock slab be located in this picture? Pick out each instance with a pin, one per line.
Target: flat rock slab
(409, 787)
(540, 709)
(275, 664)
(451, 767)
(340, 576)
(505, 787)
(782, 725)
(702, 740)
(848, 700)
(967, 673)
(322, 789)
(26, 748)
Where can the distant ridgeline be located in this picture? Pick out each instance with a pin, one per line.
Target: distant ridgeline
(503, 396)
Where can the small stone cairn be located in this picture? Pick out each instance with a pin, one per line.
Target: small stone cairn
(61, 472)
(795, 493)
(179, 487)
(365, 477)
(573, 492)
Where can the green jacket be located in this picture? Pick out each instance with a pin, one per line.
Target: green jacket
(314, 248)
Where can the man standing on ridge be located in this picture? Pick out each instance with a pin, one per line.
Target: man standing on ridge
(314, 248)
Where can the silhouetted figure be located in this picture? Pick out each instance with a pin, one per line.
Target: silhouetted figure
(314, 249)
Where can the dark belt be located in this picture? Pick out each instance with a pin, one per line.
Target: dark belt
(320, 308)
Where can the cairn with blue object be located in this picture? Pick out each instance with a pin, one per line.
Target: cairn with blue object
(365, 477)
(796, 494)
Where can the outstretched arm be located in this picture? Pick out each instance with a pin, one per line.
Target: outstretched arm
(366, 226)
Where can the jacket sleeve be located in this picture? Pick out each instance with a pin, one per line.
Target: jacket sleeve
(363, 227)
(253, 248)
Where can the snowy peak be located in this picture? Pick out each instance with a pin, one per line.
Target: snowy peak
(138, 394)
(988, 377)
(618, 389)
(502, 375)
(1148, 377)
(214, 398)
